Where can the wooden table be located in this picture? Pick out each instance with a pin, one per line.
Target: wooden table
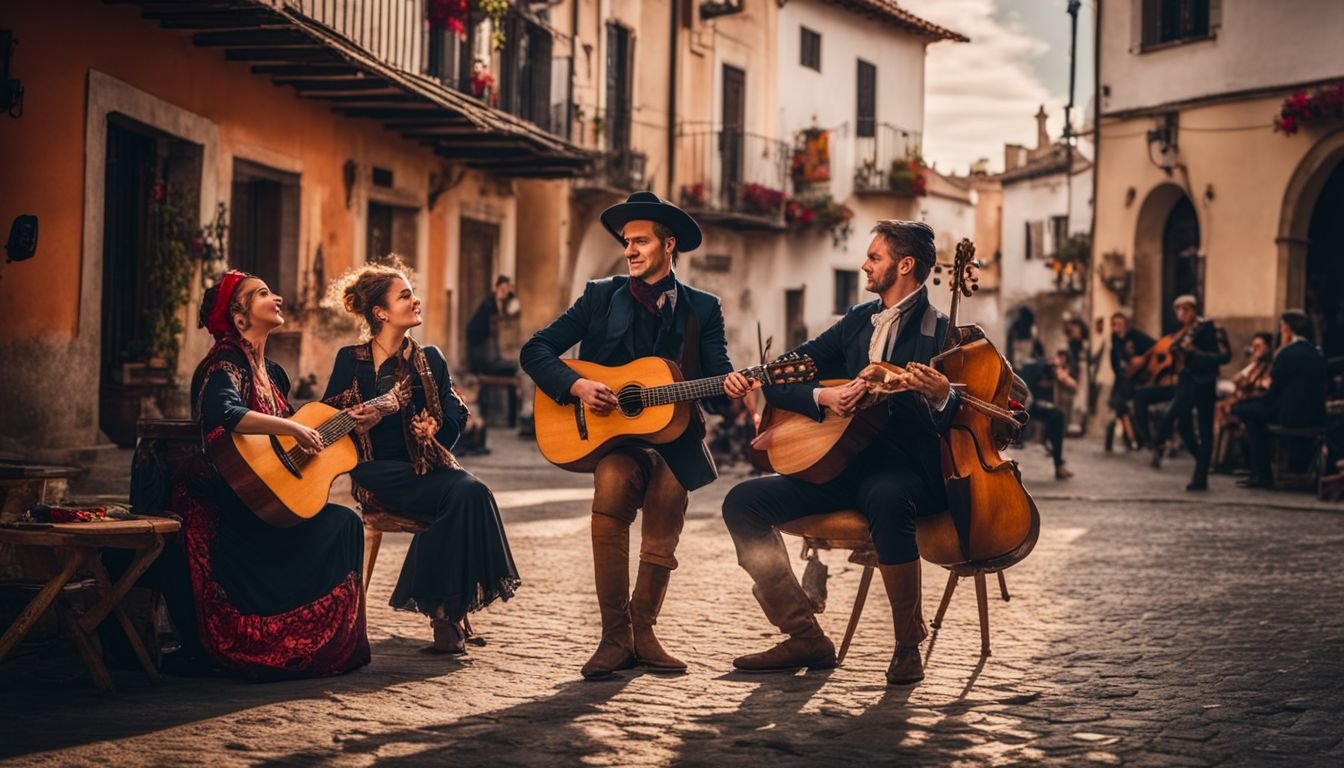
(75, 548)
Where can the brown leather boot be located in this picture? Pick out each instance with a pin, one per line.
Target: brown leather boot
(788, 608)
(645, 604)
(611, 572)
(902, 583)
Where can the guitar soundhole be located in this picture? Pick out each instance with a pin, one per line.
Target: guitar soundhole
(631, 405)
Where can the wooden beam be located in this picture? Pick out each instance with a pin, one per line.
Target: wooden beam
(306, 70)
(235, 21)
(313, 52)
(399, 98)
(334, 84)
(390, 113)
(253, 37)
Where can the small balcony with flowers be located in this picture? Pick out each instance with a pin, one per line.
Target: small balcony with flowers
(887, 161)
(813, 204)
(619, 167)
(732, 176)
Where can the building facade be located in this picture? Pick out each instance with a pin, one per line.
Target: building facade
(1200, 189)
(321, 135)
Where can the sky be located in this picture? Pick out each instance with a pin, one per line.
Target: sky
(985, 93)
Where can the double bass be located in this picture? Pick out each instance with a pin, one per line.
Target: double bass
(991, 522)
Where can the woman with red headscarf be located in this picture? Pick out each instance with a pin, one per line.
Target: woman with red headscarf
(268, 602)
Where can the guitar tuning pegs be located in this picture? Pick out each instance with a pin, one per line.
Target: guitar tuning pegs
(975, 287)
(937, 281)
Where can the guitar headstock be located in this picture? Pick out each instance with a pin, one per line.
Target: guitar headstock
(790, 369)
(963, 272)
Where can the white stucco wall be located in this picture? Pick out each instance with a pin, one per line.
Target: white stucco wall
(1257, 44)
(1038, 199)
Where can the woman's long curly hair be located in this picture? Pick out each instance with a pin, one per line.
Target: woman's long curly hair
(362, 289)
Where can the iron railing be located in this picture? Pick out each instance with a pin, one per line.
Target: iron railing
(733, 173)
(882, 162)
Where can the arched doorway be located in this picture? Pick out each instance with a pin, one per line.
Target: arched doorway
(1167, 257)
(1324, 299)
(1182, 267)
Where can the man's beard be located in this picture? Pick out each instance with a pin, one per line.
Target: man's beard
(881, 284)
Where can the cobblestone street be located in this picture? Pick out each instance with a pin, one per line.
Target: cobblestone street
(1149, 627)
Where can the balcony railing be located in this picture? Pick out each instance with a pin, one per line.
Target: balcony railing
(882, 162)
(391, 30)
(732, 175)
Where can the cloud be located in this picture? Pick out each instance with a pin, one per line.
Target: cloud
(982, 94)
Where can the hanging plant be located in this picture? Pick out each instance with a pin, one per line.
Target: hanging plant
(822, 212)
(907, 177)
(1304, 108)
(455, 15)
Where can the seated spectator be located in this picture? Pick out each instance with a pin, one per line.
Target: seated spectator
(1251, 381)
(1049, 381)
(1296, 395)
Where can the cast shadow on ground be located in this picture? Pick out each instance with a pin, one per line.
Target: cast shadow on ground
(50, 704)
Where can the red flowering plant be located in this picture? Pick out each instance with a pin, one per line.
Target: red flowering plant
(907, 177)
(694, 195)
(1302, 108)
(758, 198)
(453, 15)
(823, 212)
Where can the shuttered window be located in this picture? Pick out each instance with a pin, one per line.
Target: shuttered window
(810, 49)
(866, 122)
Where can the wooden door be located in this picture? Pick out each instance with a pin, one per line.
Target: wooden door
(477, 266)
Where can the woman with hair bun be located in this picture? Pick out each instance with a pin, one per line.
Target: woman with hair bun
(461, 562)
(265, 602)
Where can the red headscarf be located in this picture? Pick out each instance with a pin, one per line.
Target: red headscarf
(220, 323)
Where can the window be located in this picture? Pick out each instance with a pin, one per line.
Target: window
(1059, 232)
(810, 49)
(264, 227)
(1172, 21)
(795, 330)
(846, 290)
(1035, 240)
(866, 122)
(391, 229)
(525, 86)
(620, 86)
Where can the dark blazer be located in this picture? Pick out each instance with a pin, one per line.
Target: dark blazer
(1133, 343)
(1298, 387)
(841, 351)
(601, 322)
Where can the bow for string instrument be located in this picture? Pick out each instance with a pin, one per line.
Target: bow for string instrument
(991, 521)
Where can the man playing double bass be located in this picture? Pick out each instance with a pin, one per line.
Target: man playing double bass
(895, 479)
(617, 320)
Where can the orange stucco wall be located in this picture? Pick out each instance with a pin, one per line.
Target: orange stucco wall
(42, 153)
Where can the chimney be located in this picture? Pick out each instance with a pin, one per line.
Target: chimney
(1042, 137)
(1014, 156)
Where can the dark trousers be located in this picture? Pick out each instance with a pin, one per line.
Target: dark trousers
(1194, 399)
(1144, 399)
(1052, 418)
(1256, 419)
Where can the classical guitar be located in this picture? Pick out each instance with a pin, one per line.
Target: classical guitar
(654, 407)
(280, 482)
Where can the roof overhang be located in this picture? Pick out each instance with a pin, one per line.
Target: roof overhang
(297, 51)
(887, 11)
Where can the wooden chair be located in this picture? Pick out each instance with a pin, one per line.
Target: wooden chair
(1289, 446)
(377, 521)
(848, 529)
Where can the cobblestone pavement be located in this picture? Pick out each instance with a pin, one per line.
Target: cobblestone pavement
(1149, 627)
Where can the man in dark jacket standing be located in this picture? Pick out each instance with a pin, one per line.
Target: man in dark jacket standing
(1204, 349)
(615, 321)
(1298, 384)
(895, 479)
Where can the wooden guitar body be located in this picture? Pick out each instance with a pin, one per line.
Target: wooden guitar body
(1160, 360)
(575, 438)
(793, 444)
(992, 521)
(278, 490)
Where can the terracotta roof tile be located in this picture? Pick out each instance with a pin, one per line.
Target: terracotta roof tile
(889, 11)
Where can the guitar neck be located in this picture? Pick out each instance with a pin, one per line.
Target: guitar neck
(341, 424)
(696, 389)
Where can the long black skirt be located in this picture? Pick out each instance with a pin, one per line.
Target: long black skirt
(462, 562)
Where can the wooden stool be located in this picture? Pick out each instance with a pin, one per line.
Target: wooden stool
(378, 520)
(1282, 440)
(75, 548)
(848, 529)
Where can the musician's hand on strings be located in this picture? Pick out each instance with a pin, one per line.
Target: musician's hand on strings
(929, 382)
(365, 417)
(595, 395)
(1187, 343)
(424, 426)
(309, 440)
(737, 385)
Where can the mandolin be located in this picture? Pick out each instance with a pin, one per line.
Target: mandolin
(280, 482)
(655, 407)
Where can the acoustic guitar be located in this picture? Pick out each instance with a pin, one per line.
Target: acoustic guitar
(1164, 358)
(279, 481)
(654, 407)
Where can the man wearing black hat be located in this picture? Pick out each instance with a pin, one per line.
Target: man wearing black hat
(617, 320)
(894, 480)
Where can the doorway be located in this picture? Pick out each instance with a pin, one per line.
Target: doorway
(478, 259)
(1325, 266)
(731, 150)
(1182, 264)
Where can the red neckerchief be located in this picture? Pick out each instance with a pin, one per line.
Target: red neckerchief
(648, 295)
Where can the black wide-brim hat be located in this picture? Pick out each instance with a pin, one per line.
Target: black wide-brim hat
(646, 206)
